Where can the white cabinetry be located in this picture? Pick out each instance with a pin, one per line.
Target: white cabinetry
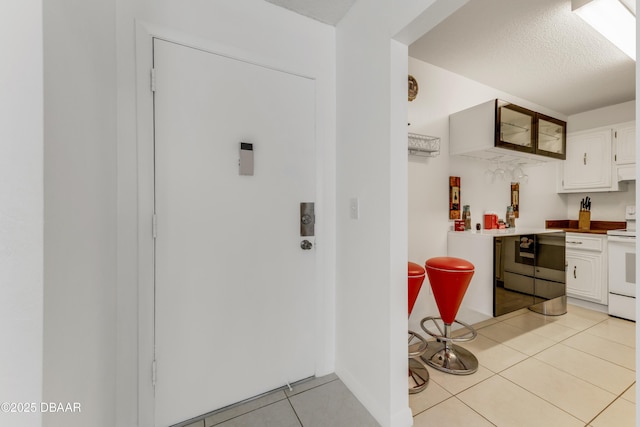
(598, 159)
(586, 259)
(500, 131)
(588, 164)
(625, 136)
(625, 150)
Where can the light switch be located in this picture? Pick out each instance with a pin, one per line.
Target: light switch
(354, 208)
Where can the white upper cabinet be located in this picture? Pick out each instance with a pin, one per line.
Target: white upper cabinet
(598, 160)
(625, 151)
(588, 164)
(625, 136)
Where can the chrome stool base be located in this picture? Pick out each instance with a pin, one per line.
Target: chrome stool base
(446, 356)
(418, 374)
(450, 358)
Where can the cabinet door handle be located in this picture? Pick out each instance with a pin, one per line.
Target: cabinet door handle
(574, 242)
(584, 159)
(574, 272)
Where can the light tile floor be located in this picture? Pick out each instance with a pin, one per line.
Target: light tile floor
(318, 402)
(572, 370)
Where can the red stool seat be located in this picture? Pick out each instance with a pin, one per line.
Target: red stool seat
(416, 275)
(449, 278)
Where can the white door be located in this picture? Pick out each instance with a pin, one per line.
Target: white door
(234, 312)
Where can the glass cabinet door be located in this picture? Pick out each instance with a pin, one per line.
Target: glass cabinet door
(552, 137)
(515, 127)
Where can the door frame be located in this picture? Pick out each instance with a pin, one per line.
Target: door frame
(324, 294)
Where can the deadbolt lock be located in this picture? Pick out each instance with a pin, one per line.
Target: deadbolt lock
(307, 219)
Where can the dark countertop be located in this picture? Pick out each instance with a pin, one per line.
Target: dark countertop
(596, 227)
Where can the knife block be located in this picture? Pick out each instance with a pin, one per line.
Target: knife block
(584, 220)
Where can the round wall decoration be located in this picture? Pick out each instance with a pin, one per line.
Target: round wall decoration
(413, 88)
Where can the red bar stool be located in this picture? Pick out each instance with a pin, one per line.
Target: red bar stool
(418, 374)
(449, 278)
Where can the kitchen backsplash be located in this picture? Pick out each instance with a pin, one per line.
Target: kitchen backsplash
(604, 206)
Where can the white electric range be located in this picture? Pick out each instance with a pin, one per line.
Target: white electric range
(622, 268)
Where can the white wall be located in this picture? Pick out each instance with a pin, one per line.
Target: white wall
(80, 210)
(364, 272)
(605, 206)
(613, 114)
(372, 167)
(21, 218)
(254, 30)
(441, 94)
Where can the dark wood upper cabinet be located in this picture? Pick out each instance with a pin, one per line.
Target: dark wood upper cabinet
(520, 129)
(515, 127)
(552, 137)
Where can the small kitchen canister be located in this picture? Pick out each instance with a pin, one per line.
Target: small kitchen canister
(466, 216)
(490, 220)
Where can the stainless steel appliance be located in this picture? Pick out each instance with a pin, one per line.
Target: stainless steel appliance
(530, 272)
(622, 268)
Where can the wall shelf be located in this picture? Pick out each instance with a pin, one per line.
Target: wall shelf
(423, 145)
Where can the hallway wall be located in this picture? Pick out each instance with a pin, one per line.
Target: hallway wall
(366, 162)
(80, 211)
(21, 218)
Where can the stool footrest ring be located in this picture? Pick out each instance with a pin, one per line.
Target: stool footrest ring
(467, 336)
(417, 344)
(418, 375)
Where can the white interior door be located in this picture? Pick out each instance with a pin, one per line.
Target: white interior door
(234, 312)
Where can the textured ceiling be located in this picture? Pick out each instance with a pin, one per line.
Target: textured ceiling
(537, 50)
(327, 11)
(534, 49)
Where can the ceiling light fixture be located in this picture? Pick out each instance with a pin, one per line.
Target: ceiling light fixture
(611, 18)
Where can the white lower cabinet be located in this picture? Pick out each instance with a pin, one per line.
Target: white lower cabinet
(586, 260)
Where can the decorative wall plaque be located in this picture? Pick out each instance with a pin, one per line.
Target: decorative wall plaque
(413, 88)
(515, 198)
(454, 197)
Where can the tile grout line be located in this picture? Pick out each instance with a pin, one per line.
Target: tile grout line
(294, 410)
(245, 413)
(543, 399)
(289, 396)
(582, 379)
(560, 342)
(577, 331)
(611, 403)
(465, 404)
(555, 344)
